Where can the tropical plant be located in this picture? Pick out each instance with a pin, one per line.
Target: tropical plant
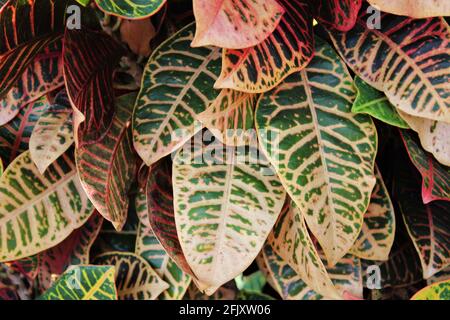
(224, 149)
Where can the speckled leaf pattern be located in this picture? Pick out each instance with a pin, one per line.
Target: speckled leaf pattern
(414, 8)
(43, 75)
(74, 250)
(287, 50)
(290, 239)
(148, 247)
(176, 86)
(130, 9)
(394, 60)
(234, 24)
(39, 211)
(52, 134)
(436, 291)
(435, 176)
(376, 104)
(323, 153)
(15, 135)
(84, 283)
(285, 280)
(135, 278)
(230, 117)
(224, 208)
(433, 136)
(107, 168)
(428, 225)
(378, 229)
(338, 14)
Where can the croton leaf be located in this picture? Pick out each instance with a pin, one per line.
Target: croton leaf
(376, 104)
(43, 75)
(228, 291)
(234, 24)
(130, 9)
(107, 168)
(378, 229)
(414, 8)
(338, 14)
(135, 278)
(428, 224)
(435, 177)
(38, 211)
(83, 283)
(161, 215)
(433, 136)
(230, 117)
(13, 284)
(391, 57)
(53, 133)
(290, 239)
(148, 247)
(89, 60)
(15, 135)
(224, 208)
(26, 28)
(288, 49)
(74, 250)
(436, 291)
(287, 282)
(176, 86)
(323, 153)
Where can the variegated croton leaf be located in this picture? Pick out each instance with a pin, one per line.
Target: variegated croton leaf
(338, 14)
(135, 278)
(230, 117)
(38, 211)
(130, 9)
(427, 224)
(436, 291)
(74, 250)
(83, 283)
(15, 135)
(226, 202)
(414, 8)
(391, 57)
(89, 60)
(435, 177)
(107, 167)
(53, 133)
(376, 104)
(26, 28)
(148, 247)
(323, 153)
(234, 24)
(288, 49)
(43, 75)
(378, 230)
(176, 86)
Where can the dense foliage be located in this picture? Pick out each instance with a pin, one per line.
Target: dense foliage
(224, 149)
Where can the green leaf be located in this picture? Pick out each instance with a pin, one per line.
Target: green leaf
(436, 291)
(107, 167)
(323, 153)
(378, 230)
(376, 104)
(15, 135)
(435, 176)
(83, 283)
(224, 208)
(52, 134)
(135, 278)
(39, 211)
(176, 86)
(254, 282)
(130, 9)
(148, 247)
(83, 2)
